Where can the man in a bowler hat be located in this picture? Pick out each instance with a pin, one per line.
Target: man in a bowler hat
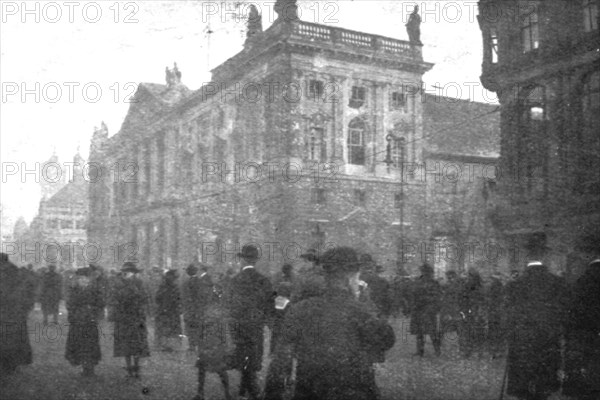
(252, 305)
(536, 320)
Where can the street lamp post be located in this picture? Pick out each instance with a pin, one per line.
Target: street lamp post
(390, 161)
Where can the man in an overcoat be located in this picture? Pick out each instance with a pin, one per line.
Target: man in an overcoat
(15, 348)
(252, 306)
(168, 310)
(130, 306)
(424, 310)
(536, 320)
(190, 295)
(332, 336)
(85, 303)
(51, 293)
(583, 329)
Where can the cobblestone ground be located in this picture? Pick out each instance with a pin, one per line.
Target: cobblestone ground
(172, 375)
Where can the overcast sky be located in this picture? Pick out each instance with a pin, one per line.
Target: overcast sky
(116, 45)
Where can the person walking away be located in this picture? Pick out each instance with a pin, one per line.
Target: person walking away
(15, 305)
(332, 335)
(214, 342)
(471, 304)
(129, 308)
(168, 311)
(86, 301)
(495, 311)
(536, 326)
(252, 304)
(425, 306)
(583, 329)
(51, 293)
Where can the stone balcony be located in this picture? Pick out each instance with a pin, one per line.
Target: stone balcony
(333, 41)
(360, 42)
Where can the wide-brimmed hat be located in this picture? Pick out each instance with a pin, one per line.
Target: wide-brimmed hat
(192, 269)
(340, 260)
(130, 267)
(249, 253)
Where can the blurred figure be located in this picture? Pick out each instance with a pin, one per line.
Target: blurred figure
(168, 311)
(450, 318)
(401, 293)
(495, 312)
(471, 334)
(84, 307)
(252, 306)
(283, 286)
(425, 306)
(129, 309)
(333, 335)
(15, 304)
(311, 281)
(214, 341)
(191, 306)
(51, 293)
(379, 289)
(583, 329)
(536, 324)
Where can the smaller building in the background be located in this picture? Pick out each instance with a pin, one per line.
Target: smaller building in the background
(57, 234)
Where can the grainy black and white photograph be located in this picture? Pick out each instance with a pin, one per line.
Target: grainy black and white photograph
(300, 200)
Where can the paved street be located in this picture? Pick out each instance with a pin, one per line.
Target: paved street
(172, 375)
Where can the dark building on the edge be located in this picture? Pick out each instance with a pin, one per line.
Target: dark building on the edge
(298, 96)
(542, 58)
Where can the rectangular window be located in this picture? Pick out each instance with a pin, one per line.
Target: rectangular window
(360, 198)
(315, 144)
(80, 224)
(398, 197)
(160, 155)
(590, 15)
(530, 33)
(398, 152)
(398, 101)
(148, 169)
(494, 45)
(358, 97)
(187, 168)
(315, 89)
(318, 196)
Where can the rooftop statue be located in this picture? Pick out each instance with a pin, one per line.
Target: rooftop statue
(413, 27)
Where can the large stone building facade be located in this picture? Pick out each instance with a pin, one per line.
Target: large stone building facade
(300, 141)
(542, 58)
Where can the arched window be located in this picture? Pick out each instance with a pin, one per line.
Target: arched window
(356, 141)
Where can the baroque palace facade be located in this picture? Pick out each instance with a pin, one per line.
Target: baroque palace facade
(542, 58)
(300, 141)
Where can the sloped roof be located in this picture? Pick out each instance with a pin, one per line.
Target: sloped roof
(72, 194)
(461, 127)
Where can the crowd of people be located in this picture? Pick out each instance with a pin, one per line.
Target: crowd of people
(329, 317)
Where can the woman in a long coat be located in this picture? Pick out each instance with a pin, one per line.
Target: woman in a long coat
(168, 310)
(129, 304)
(84, 305)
